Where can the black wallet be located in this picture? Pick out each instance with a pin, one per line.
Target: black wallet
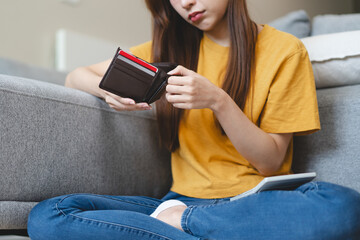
(131, 77)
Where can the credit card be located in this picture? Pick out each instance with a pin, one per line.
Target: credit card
(137, 62)
(134, 64)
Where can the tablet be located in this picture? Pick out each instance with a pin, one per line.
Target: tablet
(283, 182)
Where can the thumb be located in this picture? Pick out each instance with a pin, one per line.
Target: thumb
(180, 71)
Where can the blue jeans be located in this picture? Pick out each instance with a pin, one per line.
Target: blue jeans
(316, 210)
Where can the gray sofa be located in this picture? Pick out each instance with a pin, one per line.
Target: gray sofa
(56, 140)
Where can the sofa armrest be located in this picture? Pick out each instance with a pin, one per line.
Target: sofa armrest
(333, 152)
(57, 140)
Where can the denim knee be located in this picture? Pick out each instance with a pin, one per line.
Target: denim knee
(342, 206)
(348, 201)
(42, 219)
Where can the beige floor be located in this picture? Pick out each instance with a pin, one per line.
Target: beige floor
(13, 238)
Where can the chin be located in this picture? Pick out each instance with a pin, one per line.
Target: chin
(204, 27)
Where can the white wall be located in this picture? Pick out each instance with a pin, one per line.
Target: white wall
(28, 26)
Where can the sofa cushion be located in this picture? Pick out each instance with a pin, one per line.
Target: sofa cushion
(14, 214)
(335, 58)
(324, 24)
(296, 23)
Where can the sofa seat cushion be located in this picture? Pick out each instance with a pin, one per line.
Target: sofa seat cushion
(13, 214)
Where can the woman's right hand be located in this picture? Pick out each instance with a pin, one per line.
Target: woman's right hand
(124, 104)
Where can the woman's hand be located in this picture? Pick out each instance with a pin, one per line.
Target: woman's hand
(124, 104)
(188, 90)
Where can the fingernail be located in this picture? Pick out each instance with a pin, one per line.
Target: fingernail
(147, 107)
(132, 102)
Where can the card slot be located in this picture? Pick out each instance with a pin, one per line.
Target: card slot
(126, 85)
(147, 79)
(138, 61)
(129, 67)
(142, 67)
(130, 77)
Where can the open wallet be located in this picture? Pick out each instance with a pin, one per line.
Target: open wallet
(131, 77)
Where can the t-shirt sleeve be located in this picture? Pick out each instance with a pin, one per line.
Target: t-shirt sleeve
(291, 106)
(143, 51)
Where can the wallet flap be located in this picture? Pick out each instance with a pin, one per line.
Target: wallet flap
(131, 77)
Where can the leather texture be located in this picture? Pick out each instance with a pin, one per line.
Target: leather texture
(127, 79)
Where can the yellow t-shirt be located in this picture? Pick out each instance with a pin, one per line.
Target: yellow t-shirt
(283, 100)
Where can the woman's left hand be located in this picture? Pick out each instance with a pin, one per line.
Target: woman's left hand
(188, 90)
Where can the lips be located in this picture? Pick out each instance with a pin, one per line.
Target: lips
(196, 16)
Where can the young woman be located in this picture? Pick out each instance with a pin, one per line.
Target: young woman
(231, 109)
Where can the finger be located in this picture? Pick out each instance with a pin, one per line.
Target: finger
(138, 107)
(120, 99)
(110, 100)
(129, 107)
(182, 105)
(181, 71)
(176, 98)
(143, 106)
(113, 103)
(179, 80)
(117, 108)
(176, 89)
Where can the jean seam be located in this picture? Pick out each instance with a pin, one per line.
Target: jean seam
(316, 185)
(111, 224)
(185, 220)
(102, 196)
(212, 205)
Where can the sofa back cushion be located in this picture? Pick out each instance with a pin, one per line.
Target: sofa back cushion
(296, 23)
(335, 58)
(324, 24)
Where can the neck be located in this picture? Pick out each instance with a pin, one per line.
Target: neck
(220, 33)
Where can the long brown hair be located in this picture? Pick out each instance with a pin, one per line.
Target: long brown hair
(175, 40)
